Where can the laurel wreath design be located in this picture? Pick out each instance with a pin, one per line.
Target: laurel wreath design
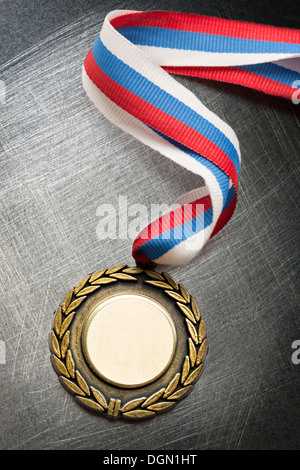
(143, 407)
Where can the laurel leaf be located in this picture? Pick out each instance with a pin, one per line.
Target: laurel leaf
(180, 393)
(156, 396)
(163, 405)
(139, 414)
(67, 301)
(82, 383)
(90, 403)
(133, 270)
(54, 345)
(60, 366)
(184, 293)
(123, 277)
(201, 353)
(57, 321)
(195, 309)
(175, 295)
(186, 311)
(65, 344)
(97, 275)
(185, 369)
(201, 332)
(99, 397)
(171, 281)
(192, 351)
(65, 325)
(81, 285)
(194, 375)
(72, 386)
(154, 275)
(104, 280)
(132, 404)
(172, 386)
(115, 269)
(87, 290)
(70, 363)
(192, 331)
(160, 284)
(74, 305)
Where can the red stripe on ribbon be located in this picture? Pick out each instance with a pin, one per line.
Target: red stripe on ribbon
(171, 220)
(237, 76)
(225, 216)
(140, 257)
(208, 25)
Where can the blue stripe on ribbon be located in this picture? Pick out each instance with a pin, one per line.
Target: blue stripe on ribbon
(230, 197)
(221, 177)
(274, 72)
(154, 95)
(189, 40)
(161, 244)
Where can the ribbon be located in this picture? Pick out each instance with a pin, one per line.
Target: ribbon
(126, 74)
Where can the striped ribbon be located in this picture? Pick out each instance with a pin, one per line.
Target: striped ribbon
(127, 76)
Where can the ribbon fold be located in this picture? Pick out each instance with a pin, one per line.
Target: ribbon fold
(126, 74)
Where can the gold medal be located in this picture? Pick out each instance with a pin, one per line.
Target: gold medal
(128, 342)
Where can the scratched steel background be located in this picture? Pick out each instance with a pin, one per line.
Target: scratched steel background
(60, 159)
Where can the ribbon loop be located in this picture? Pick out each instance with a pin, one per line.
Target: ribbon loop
(127, 76)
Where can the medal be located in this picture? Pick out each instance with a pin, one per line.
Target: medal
(130, 342)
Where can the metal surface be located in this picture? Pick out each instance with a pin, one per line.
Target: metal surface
(60, 159)
(160, 372)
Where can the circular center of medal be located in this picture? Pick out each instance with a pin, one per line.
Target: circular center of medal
(129, 340)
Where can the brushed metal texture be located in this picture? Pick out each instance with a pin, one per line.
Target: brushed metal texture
(60, 159)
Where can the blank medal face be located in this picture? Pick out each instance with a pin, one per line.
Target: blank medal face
(128, 343)
(129, 340)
